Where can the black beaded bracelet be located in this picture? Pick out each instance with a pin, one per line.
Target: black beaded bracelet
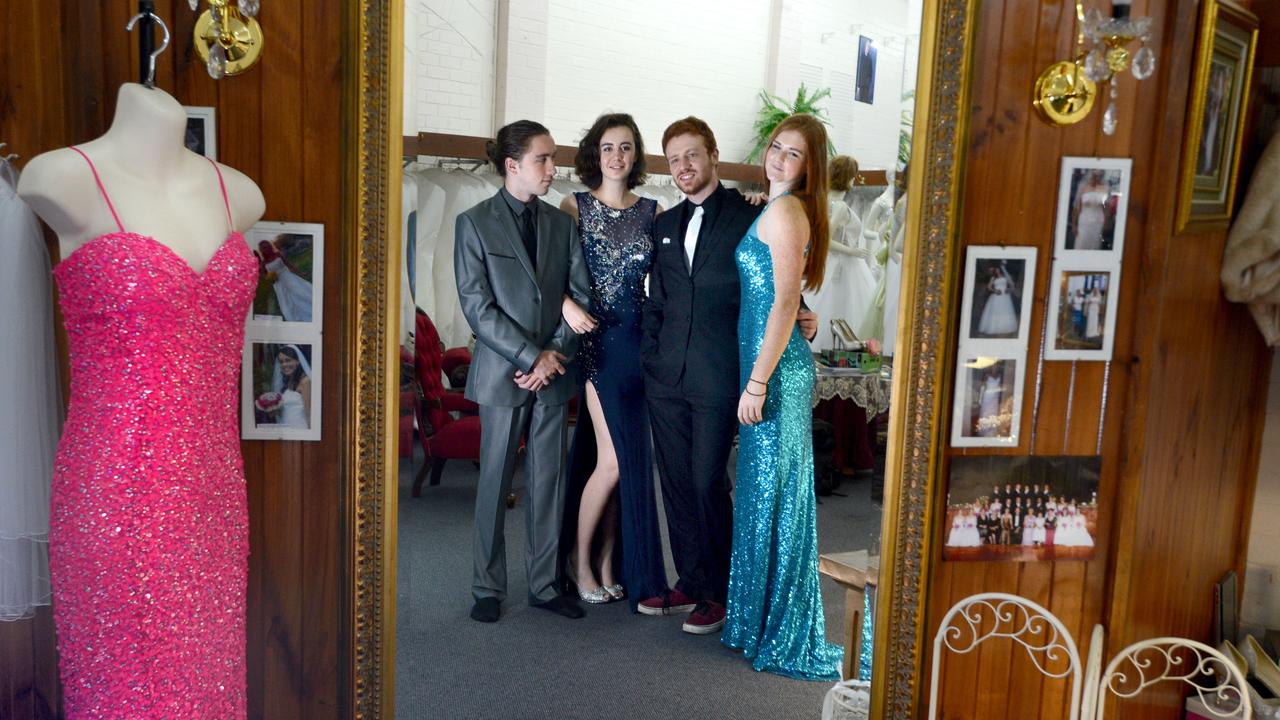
(758, 382)
(754, 394)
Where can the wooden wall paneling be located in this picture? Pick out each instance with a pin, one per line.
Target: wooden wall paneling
(322, 482)
(278, 117)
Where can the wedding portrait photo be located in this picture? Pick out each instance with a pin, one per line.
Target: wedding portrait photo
(1021, 508)
(289, 266)
(1082, 318)
(997, 296)
(987, 404)
(1093, 203)
(281, 393)
(201, 137)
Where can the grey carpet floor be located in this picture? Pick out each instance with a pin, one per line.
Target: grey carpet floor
(610, 665)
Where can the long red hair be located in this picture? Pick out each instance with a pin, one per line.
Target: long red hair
(812, 191)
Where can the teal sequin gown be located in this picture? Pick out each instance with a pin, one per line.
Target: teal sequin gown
(774, 612)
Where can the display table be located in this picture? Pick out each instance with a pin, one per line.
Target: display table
(855, 572)
(869, 391)
(851, 401)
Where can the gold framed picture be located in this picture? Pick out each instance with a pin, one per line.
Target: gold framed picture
(1219, 90)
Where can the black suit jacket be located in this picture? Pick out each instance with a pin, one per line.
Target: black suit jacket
(691, 319)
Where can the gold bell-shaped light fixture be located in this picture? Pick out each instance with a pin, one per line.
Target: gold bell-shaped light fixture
(228, 37)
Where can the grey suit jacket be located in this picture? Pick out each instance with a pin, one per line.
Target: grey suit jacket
(515, 312)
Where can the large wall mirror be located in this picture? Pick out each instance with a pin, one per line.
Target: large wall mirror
(436, 78)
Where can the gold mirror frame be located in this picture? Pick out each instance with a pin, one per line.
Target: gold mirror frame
(373, 54)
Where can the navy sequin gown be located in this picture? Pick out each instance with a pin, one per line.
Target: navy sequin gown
(618, 246)
(774, 611)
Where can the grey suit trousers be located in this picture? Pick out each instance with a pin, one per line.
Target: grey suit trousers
(546, 431)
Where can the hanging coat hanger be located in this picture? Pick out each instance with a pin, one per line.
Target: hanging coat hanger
(146, 40)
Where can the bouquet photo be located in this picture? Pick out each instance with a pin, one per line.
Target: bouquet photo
(269, 402)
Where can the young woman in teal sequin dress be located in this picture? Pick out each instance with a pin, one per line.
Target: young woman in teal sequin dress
(775, 607)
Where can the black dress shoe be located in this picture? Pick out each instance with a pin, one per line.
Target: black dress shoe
(486, 610)
(562, 605)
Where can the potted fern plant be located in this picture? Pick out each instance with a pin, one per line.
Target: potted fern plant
(775, 109)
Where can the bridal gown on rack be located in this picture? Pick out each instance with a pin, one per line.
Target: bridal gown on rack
(149, 532)
(30, 405)
(774, 610)
(848, 285)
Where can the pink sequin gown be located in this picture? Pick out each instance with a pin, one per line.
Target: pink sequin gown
(148, 542)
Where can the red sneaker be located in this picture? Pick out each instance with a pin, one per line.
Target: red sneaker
(670, 602)
(706, 618)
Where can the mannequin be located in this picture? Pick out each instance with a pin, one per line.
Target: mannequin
(160, 188)
(149, 527)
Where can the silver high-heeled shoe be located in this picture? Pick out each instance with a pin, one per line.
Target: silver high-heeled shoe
(599, 596)
(616, 591)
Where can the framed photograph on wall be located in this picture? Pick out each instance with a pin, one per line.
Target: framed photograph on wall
(202, 131)
(1093, 206)
(1020, 508)
(290, 274)
(1215, 123)
(998, 289)
(988, 402)
(280, 389)
(864, 86)
(1082, 312)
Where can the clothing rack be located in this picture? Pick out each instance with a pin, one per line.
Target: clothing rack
(467, 147)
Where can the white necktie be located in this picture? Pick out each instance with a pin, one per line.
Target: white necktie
(691, 235)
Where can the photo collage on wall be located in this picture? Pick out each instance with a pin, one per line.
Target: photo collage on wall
(281, 368)
(1093, 202)
(994, 330)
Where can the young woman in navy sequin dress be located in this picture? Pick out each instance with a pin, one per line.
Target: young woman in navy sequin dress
(610, 471)
(774, 613)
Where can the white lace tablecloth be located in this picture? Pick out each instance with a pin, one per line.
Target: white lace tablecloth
(869, 392)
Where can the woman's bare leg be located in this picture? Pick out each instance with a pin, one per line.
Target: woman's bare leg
(596, 496)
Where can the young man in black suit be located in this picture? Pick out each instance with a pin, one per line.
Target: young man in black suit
(690, 356)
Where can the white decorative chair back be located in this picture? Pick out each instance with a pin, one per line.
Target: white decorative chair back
(984, 616)
(1148, 662)
(1092, 674)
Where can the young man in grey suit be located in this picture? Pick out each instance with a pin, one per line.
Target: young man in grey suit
(515, 258)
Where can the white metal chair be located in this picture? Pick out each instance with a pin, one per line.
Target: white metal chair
(1092, 674)
(1148, 662)
(980, 617)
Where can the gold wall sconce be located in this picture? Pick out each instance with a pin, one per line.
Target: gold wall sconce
(228, 38)
(1066, 91)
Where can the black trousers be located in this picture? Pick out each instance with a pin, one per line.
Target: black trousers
(692, 436)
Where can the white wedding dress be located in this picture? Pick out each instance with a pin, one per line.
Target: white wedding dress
(1093, 316)
(30, 405)
(292, 292)
(989, 406)
(999, 316)
(848, 285)
(293, 412)
(1090, 221)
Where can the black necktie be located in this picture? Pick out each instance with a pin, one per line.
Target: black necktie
(529, 234)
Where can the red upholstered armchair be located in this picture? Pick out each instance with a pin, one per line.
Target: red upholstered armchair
(443, 437)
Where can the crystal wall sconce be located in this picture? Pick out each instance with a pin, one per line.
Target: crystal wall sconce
(228, 38)
(1066, 91)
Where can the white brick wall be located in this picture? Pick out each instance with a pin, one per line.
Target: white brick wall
(453, 65)
(568, 61)
(1260, 606)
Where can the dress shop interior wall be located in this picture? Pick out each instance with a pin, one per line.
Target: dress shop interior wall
(1260, 604)
(567, 61)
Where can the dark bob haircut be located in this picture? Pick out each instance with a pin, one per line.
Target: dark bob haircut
(513, 142)
(587, 160)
